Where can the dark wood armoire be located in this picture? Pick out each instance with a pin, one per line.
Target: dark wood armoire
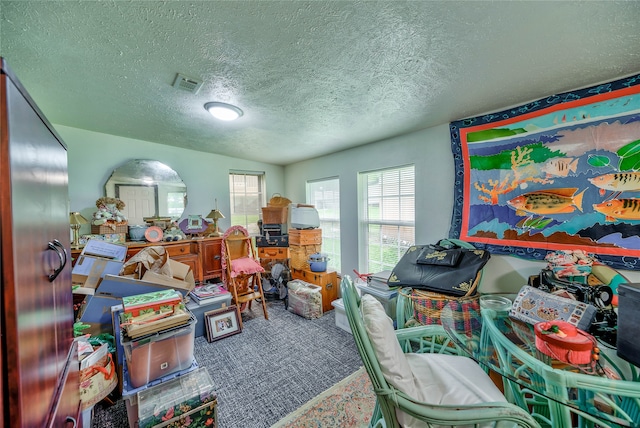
(38, 357)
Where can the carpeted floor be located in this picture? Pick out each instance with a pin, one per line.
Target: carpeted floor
(348, 404)
(268, 370)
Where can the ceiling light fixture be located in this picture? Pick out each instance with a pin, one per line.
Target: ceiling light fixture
(223, 111)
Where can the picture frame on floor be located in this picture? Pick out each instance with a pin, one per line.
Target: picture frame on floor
(221, 323)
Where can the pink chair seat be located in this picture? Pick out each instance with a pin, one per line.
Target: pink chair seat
(245, 266)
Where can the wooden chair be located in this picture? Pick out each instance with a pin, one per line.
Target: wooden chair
(415, 387)
(244, 272)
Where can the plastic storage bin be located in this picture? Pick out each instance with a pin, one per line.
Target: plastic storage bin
(387, 298)
(191, 395)
(198, 311)
(156, 355)
(130, 394)
(305, 299)
(341, 316)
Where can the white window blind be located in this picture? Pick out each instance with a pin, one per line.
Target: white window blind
(325, 196)
(246, 191)
(387, 216)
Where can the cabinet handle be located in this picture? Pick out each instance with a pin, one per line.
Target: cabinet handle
(71, 420)
(216, 258)
(57, 246)
(329, 285)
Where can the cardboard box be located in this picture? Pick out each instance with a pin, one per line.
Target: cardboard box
(98, 258)
(183, 279)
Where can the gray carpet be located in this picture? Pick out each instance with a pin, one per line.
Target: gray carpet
(268, 370)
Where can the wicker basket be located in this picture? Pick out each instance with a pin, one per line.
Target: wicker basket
(274, 215)
(428, 306)
(109, 228)
(300, 255)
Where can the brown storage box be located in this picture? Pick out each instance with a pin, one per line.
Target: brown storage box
(305, 236)
(274, 215)
(328, 281)
(300, 255)
(106, 229)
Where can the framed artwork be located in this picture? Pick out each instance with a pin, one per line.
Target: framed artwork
(221, 323)
(194, 222)
(559, 173)
(193, 225)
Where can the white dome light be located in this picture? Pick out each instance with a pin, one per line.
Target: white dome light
(223, 111)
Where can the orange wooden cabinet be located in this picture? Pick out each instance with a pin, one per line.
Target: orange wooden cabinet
(327, 280)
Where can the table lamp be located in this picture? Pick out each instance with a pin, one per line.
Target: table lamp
(215, 215)
(76, 220)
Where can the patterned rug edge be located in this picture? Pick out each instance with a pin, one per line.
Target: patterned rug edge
(354, 412)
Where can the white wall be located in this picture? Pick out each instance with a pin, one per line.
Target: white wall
(93, 157)
(430, 151)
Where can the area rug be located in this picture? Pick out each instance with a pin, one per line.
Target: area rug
(347, 404)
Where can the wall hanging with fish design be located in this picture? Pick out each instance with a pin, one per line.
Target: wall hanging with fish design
(558, 173)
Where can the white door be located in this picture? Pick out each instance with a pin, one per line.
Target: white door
(140, 202)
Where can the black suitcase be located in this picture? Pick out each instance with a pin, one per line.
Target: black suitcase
(272, 241)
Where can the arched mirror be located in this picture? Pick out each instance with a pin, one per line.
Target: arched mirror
(149, 189)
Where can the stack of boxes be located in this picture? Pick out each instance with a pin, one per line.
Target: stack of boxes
(273, 243)
(302, 244)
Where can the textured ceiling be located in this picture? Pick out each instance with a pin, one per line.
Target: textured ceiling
(312, 77)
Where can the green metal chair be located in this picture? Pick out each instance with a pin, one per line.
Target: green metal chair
(422, 344)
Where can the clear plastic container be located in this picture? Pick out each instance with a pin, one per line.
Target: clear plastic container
(156, 355)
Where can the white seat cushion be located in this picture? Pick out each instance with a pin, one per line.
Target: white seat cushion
(393, 362)
(431, 378)
(458, 380)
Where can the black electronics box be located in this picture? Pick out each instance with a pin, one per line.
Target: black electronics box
(629, 322)
(275, 229)
(272, 241)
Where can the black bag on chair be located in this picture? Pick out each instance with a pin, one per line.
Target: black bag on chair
(447, 268)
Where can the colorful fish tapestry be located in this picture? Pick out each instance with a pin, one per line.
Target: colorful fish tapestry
(560, 173)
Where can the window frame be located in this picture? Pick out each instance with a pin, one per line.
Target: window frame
(364, 222)
(252, 228)
(332, 233)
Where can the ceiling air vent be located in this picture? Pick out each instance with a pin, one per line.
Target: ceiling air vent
(187, 83)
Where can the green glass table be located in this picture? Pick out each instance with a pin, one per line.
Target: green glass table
(557, 394)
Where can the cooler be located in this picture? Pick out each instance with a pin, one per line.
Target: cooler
(387, 298)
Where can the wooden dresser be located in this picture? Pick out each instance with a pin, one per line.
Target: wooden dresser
(202, 255)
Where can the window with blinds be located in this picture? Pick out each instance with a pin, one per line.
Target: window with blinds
(325, 196)
(387, 216)
(247, 193)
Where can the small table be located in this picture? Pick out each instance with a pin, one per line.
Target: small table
(557, 394)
